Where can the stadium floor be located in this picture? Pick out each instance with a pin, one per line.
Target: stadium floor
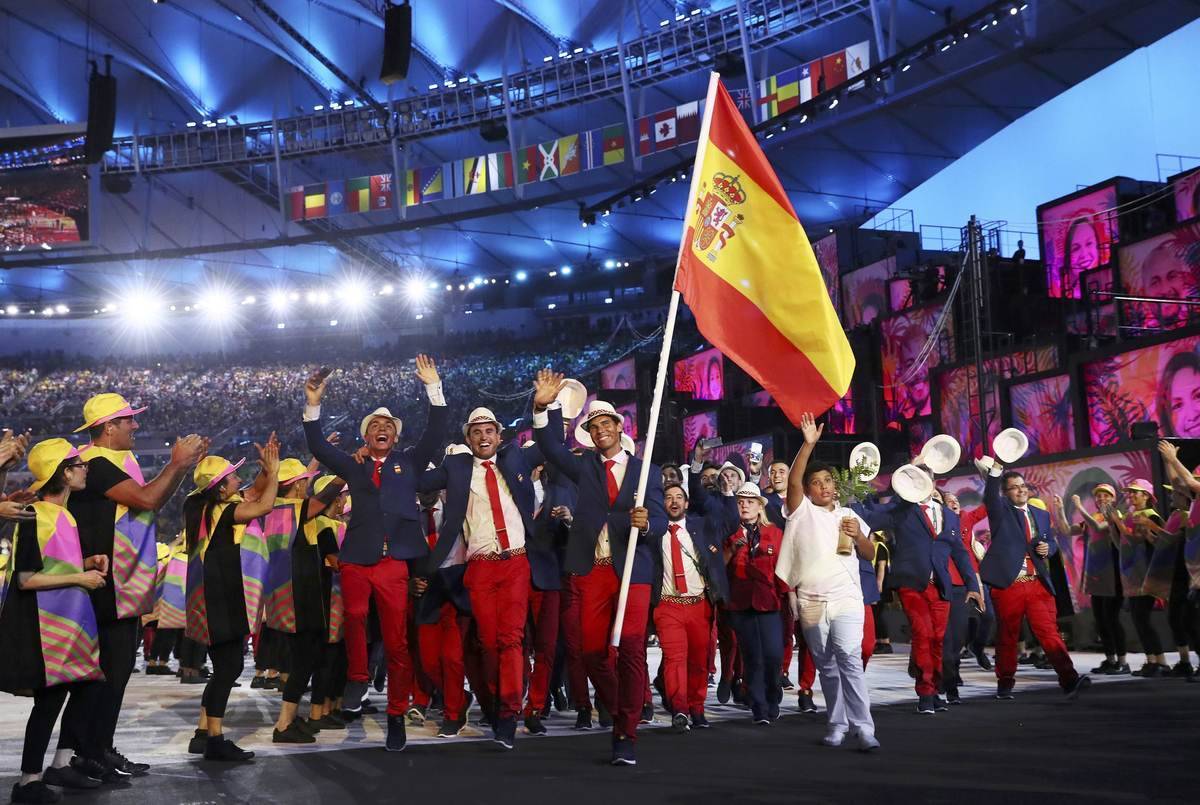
(1124, 740)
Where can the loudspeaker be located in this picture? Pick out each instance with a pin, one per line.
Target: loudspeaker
(493, 131)
(397, 43)
(115, 183)
(102, 112)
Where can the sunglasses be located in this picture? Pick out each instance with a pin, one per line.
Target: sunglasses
(75, 464)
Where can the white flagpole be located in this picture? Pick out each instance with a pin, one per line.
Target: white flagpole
(664, 358)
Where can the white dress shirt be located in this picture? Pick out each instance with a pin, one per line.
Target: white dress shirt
(458, 553)
(621, 463)
(479, 527)
(808, 558)
(691, 573)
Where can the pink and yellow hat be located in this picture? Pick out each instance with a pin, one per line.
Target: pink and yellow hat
(293, 469)
(1141, 485)
(211, 471)
(104, 407)
(45, 458)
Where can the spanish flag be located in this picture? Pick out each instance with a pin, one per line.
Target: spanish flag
(749, 275)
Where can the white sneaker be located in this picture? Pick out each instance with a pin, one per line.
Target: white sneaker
(834, 738)
(867, 741)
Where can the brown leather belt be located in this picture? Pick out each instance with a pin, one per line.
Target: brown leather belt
(1025, 579)
(498, 557)
(605, 561)
(685, 600)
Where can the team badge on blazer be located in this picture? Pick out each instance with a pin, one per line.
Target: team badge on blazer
(712, 548)
(520, 478)
(770, 551)
(397, 469)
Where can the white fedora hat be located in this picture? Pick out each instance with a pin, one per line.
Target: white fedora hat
(729, 465)
(572, 397)
(598, 408)
(1010, 445)
(362, 428)
(867, 453)
(457, 449)
(750, 490)
(940, 454)
(912, 483)
(481, 416)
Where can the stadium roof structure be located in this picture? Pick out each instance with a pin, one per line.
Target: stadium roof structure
(225, 106)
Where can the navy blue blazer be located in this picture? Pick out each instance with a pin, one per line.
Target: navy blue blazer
(592, 511)
(1006, 555)
(445, 585)
(720, 510)
(916, 551)
(870, 586)
(775, 503)
(558, 490)
(388, 513)
(708, 544)
(515, 465)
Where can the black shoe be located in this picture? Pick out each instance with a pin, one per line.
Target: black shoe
(224, 750)
(159, 670)
(1081, 684)
(369, 709)
(397, 738)
(773, 712)
(965, 653)
(647, 714)
(205, 673)
(450, 727)
(1004, 691)
(583, 719)
(436, 702)
(1118, 669)
(723, 692)
(380, 680)
(306, 725)
(294, 734)
(785, 682)
(257, 682)
(952, 696)
(805, 700)
(679, 723)
(118, 761)
(191, 679)
(712, 681)
(883, 648)
(98, 771)
(198, 743)
(505, 732)
(1103, 667)
(1149, 670)
(67, 777)
(560, 700)
(1025, 659)
(760, 720)
(331, 721)
(940, 704)
(1042, 664)
(1183, 669)
(534, 725)
(741, 693)
(927, 705)
(699, 722)
(982, 659)
(623, 752)
(37, 791)
(603, 716)
(271, 683)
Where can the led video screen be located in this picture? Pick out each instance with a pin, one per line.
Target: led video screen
(864, 293)
(1162, 267)
(1159, 382)
(618, 376)
(906, 367)
(1187, 195)
(697, 427)
(1042, 410)
(1077, 235)
(702, 374)
(827, 258)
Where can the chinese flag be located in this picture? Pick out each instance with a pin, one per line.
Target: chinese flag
(750, 277)
(834, 67)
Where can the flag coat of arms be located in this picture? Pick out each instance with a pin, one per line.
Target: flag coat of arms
(474, 174)
(749, 275)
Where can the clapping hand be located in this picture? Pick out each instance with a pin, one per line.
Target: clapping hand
(14, 510)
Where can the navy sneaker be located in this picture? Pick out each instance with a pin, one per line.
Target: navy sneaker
(927, 705)
(1081, 684)
(699, 722)
(623, 752)
(505, 732)
(397, 738)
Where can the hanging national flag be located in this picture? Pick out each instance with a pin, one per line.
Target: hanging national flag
(645, 135)
(816, 77)
(664, 130)
(768, 100)
(314, 201)
(358, 194)
(614, 144)
(593, 149)
(499, 170)
(548, 153)
(431, 180)
(858, 61)
(381, 191)
(687, 122)
(531, 164)
(787, 90)
(742, 98)
(835, 69)
(474, 175)
(806, 84)
(568, 155)
(412, 188)
(335, 197)
(296, 203)
(749, 275)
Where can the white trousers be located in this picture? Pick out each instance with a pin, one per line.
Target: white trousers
(834, 633)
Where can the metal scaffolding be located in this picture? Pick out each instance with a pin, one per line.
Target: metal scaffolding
(681, 47)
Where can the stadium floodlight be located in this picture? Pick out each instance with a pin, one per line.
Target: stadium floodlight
(278, 301)
(354, 295)
(61, 309)
(218, 304)
(521, 276)
(416, 290)
(386, 290)
(566, 270)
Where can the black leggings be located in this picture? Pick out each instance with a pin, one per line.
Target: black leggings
(1106, 609)
(330, 679)
(191, 653)
(306, 657)
(272, 650)
(74, 735)
(1140, 607)
(165, 642)
(1178, 605)
(226, 668)
(118, 648)
(881, 629)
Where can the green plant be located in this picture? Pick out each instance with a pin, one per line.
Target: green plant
(851, 485)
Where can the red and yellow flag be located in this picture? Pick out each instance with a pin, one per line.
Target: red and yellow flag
(749, 275)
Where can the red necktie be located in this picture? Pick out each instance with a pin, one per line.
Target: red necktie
(928, 519)
(677, 560)
(430, 529)
(493, 488)
(1029, 569)
(613, 489)
(377, 475)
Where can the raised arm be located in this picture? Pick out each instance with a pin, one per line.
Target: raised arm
(1175, 468)
(433, 438)
(548, 424)
(151, 497)
(314, 390)
(247, 511)
(812, 434)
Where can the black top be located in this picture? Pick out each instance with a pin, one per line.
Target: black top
(224, 597)
(96, 515)
(310, 588)
(20, 639)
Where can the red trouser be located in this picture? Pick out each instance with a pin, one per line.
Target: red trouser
(806, 671)
(572, 629)
(683, 633)
(868, 644)
(1028, 599)
(388, 580)
(418, 682)
(499, 593)
(442, 659)
(473, 665)
(621, 686)
(731, 662)
(927, 615)
(544, 606)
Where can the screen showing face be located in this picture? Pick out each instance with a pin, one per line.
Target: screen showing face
(697, 427)
(909, 291)
(905, 372)
(1077, 235)
(703, 374)
(841, 415)
(959, 410)
(827, 258)
(630, 425)
(1187, 196)
(1160, 383)
(1042, 410)
(618, 376)
(864, 293)
(1162, 267)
